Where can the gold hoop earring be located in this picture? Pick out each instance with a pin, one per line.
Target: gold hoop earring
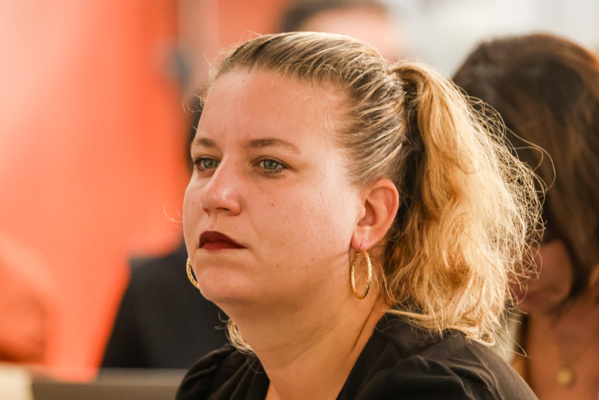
(352, 273)
(190, 275)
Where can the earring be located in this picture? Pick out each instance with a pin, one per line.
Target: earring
(190, 275)
(352, 272)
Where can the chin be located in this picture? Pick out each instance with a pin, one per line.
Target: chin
(225, 288)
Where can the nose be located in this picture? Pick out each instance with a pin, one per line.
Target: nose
(221, 192)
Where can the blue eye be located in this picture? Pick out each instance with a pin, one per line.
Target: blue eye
(271, 165)
(204, 163)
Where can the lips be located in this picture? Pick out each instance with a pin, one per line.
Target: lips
(212, 240)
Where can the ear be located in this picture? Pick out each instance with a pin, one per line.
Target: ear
(380, 201)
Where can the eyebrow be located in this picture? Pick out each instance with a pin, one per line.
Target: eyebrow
(252, 144)
(204, 142)
(272, 142)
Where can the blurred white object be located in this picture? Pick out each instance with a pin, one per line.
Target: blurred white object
(15, 383)
(443, 32)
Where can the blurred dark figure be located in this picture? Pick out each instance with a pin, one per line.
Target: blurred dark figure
(547, 91)
(367, 20)
(163, 321)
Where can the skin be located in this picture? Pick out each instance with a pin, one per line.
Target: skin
(270, 175)
(557, 338)
(369, 24)
(554, 281)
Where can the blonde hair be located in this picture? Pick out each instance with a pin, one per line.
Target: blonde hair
(468, 206)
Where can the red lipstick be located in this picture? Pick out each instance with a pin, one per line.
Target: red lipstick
(212, 240)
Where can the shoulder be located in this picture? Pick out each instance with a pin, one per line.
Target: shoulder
(214, 371)
(422, 378)
(401, 363)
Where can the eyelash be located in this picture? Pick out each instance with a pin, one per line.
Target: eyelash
(281, 166)
(198, 161)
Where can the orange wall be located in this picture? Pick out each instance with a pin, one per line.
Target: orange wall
(90, 151)
(91, 160)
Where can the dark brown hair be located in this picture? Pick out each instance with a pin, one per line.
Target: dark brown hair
(546, 89)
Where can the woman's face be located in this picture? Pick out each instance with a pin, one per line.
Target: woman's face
(554, 281)
(269, 212)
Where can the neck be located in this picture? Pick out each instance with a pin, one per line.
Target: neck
(309, 352)
(563, 350)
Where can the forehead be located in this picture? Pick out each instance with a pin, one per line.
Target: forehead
(266, 103)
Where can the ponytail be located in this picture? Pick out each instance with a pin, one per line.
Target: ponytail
(468, 207)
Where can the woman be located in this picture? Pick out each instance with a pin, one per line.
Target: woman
(547, 91)
(356, 223)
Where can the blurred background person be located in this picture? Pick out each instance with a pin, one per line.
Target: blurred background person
(367, 20)
(547, 90)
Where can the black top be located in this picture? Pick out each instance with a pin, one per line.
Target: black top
(396, 363)
(163, 321)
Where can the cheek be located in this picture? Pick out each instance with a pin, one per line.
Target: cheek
(191, 215)
(554, 281)
(555, 265)
(315, 220)
(555, 274)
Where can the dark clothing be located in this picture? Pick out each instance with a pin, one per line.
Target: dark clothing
(163, 321)
(396, 363)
